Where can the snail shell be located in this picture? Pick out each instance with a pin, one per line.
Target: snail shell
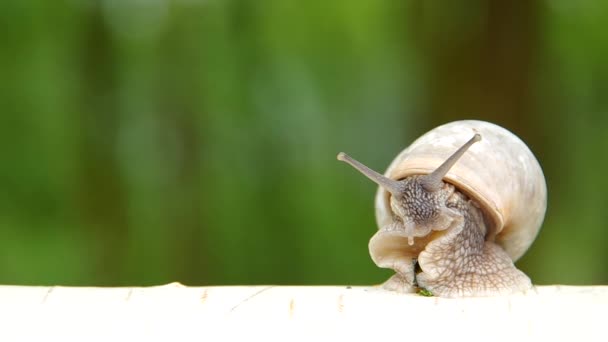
(499, 172)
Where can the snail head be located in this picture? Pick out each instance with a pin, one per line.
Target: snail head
(418, 202)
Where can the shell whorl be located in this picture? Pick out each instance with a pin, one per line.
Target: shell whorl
(499, 172)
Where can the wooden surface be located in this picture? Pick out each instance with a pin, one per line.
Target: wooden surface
(297, 313)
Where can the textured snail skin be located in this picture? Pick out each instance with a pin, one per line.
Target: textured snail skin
(458, 263)
(498, 191)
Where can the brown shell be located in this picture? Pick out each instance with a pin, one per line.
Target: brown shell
(499, 172)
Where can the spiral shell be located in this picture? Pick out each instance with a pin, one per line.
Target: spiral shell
(500, 173)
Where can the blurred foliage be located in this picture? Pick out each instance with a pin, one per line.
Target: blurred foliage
(149, 141)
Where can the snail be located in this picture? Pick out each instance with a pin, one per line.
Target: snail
(456, 209)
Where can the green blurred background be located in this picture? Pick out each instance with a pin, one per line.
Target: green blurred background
(150, 141)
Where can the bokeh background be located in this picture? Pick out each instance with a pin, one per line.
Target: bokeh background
(150, 141)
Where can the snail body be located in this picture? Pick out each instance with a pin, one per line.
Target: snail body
(455, 209)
